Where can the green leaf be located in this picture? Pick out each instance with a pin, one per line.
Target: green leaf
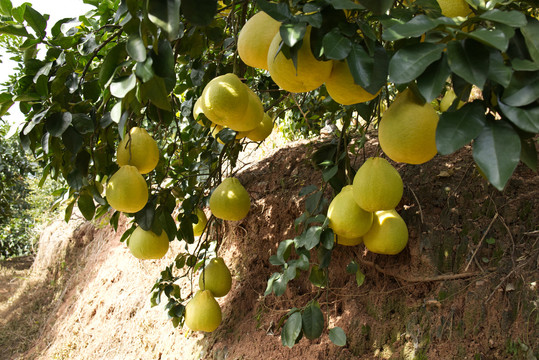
(123, 85)
(292, 33)
(337, 336)
(419, 25)
(525, 119)
(155, 90)
(336, 45)
(531, 37)
(410, 62)
(345, 4)
(312, 321)
(360, 277)
(307, 190)
(163, 64)
(469, 59)
(283, 251)
(291, 330)
(278, 11)
(368, 72)
(328, 173)
(512, 18)
(432, 81)
(327, 239)
(15, 29)
(492, 37)
(457, 128)
(83, 123)
(144, 70)
(166, 15)
(378, 7)
(199, 12)
(5, 7)
(115, 57)
(497, 70)
(524, 65)
(310, 238)
(144, 218)
(497, 152)
(318, 277)
(86, 206)
(352, 267)
(57, 123)
(72, 140)
(35, 20)
(522, 90)
(528, 154)
(69, 210)
(135, 48)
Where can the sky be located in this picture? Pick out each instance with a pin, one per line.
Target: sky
(57, 9)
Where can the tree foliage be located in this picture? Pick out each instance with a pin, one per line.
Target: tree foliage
(144, 63)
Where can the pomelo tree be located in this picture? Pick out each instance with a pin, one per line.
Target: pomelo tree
(85, 83)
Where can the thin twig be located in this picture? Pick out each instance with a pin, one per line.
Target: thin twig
(481, 241)
(420, 278)
(419, 204)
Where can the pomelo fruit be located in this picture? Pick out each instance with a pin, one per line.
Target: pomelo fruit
(138, 149)
(230, 200)
(127, 190)
(216, 277)
(345, 216)
(145, 244)
(203, 313)
(255, 38)
(388, 234)
(342, 88)
(377, 185)
(199, 227)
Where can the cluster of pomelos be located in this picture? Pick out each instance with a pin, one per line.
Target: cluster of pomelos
(203, 312)
(365, 211)
(259, 45)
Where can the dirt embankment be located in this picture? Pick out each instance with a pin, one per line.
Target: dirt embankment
(465, 287)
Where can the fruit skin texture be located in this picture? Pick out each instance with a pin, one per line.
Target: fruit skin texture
(198, 228)
(216, 277)
(203, 313)
(262, 130)
(224, 98)
(407, 130)
(230, 200)
(138, 149)
(341, 240)
(255, 39)
(310, 73)
(388, 234)
(454, 8)
(127, 190)
(377, 185)
(254, 112)
(342, 88)
(346, 218)
(147, 245)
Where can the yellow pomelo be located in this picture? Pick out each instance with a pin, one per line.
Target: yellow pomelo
(454, 8)
(346, 218)
(341, 240)
(197, 108)
(127, 190)
(216, 278)
(230, 200)
(199, 227)
(377, 185)
(310, 73)
(448, 99)
(262, 130)
(224, 99)
(255, 39)
(139, 149)
(407, 130)
(388, 234)
(254, 112)
(147, 245)
(203, 313)
(342, 88)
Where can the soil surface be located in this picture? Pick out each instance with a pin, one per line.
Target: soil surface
(464, 288)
